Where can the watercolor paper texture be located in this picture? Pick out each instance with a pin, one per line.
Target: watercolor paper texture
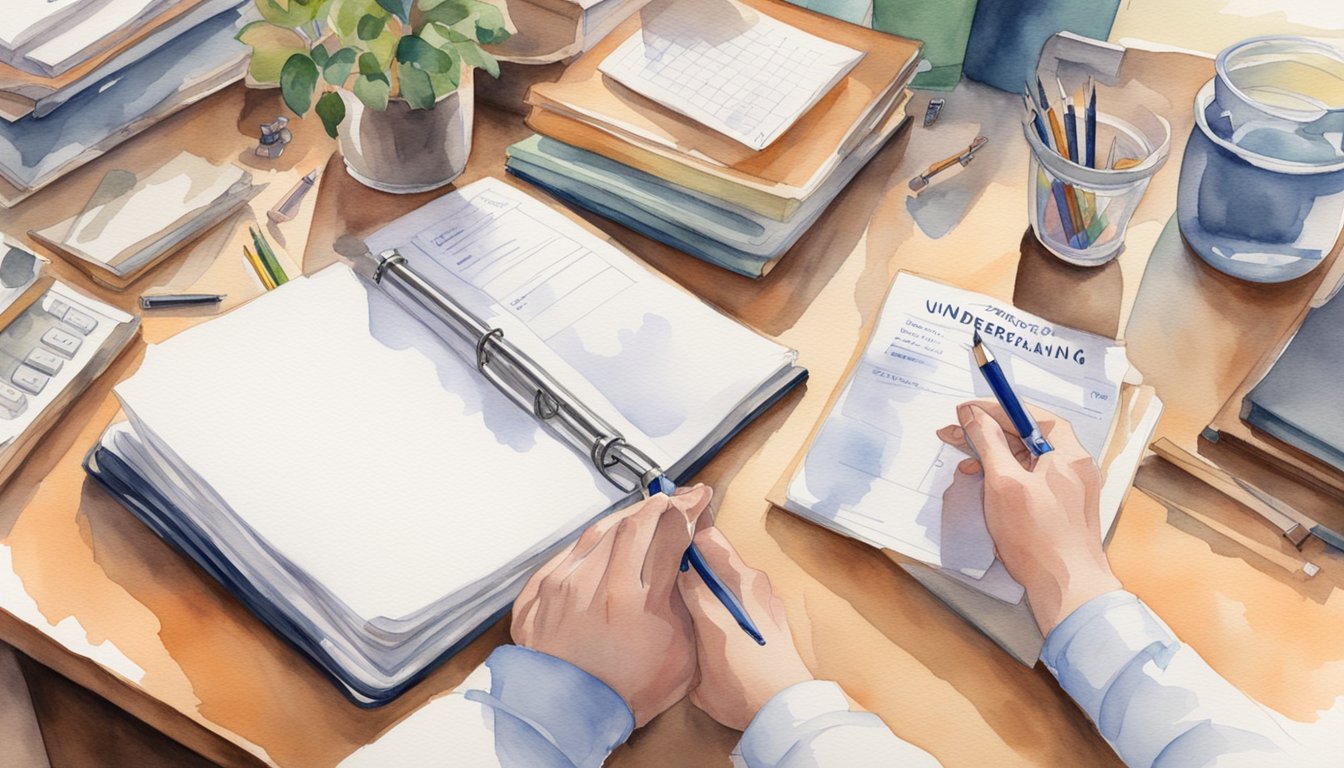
(296, 527)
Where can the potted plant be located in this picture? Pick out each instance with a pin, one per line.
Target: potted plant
(390, 78)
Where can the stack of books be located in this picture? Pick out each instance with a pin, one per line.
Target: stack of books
(721, 128)
(78, 77)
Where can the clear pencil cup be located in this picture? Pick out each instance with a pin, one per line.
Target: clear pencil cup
(1080, 213)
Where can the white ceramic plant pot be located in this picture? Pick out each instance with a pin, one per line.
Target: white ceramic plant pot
(404, 150)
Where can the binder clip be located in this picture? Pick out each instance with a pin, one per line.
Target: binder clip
(932, 111)
(961, 158)
(274, 137)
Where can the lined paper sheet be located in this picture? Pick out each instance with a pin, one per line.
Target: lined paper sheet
(738, 72)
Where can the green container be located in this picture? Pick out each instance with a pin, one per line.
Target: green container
(943, 26)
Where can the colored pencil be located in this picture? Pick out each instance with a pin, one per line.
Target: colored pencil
(266, 281)
(1070, 123)
(1091, 130)
(268, 258)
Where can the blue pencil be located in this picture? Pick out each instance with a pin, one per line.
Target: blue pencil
(1092, 126)
(1065, 219)
(1070, 124)
(694, 559)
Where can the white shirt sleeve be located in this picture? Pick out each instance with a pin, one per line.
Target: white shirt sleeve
(810, 724)
(1155, 701)
(521, 709)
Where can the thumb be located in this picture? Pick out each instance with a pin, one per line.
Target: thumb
(987, 439)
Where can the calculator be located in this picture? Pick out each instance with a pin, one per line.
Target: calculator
(51, 350)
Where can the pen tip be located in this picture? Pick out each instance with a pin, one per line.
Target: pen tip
(975, 338)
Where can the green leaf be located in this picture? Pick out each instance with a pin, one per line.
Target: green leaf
(415, 52)
(331, 109)
(271, 48)
(373, 91)
(446, 12)
(476, 57)
(345, 16)
(298, 78)
(489, 23)
(399, 8)
(369, 66)
(338, 67)
(416, 87)
(370, 26)
(446, 82)
(294, 13)
(319, 55)
(372, 86)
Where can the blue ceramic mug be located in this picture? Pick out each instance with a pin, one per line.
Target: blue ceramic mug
(1262, 181)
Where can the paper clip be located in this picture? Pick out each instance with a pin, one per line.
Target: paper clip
(961, 158)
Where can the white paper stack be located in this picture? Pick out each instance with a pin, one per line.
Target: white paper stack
(171, 68)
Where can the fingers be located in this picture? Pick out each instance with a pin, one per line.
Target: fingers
(649, 544)
(752, 587)
(987, 435)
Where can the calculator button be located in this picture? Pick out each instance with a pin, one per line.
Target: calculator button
(81, 321)
(44, 361)
(30, 379)
(58, 308)
(65, 344)
(12, 401)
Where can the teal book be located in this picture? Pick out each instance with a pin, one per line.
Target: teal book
(713, 230)
(1298, 400)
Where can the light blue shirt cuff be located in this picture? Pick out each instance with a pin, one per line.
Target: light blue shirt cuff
(796, 714)
(1090, 648)
(578, 718)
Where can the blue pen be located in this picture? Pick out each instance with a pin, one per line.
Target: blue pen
(1026, 426)
(693, 559)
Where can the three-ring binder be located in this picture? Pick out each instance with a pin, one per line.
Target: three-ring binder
(524, 382)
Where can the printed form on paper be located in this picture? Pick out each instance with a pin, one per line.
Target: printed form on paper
(877, 468)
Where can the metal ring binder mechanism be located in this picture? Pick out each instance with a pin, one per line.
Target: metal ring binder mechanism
(534, 390)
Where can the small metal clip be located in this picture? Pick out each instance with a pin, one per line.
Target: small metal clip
(274, 137)
(932, 112)
(961, 158)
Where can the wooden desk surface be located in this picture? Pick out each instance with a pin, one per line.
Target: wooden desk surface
(87, 590)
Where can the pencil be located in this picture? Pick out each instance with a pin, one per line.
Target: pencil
(1070, 123)
(259, 268)
(268, 258)
(1091, 130)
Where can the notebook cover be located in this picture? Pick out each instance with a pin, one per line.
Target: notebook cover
(1298, 400)
(801, 154)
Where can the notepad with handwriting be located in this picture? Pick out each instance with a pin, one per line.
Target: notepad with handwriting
(344, 469)
(739, 72)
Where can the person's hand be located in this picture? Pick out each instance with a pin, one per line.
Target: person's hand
(1042, 512)
(738, 676)
(609, 605)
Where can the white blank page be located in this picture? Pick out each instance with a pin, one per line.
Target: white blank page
(358, 446)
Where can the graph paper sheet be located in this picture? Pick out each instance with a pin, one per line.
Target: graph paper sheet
(722, 64)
